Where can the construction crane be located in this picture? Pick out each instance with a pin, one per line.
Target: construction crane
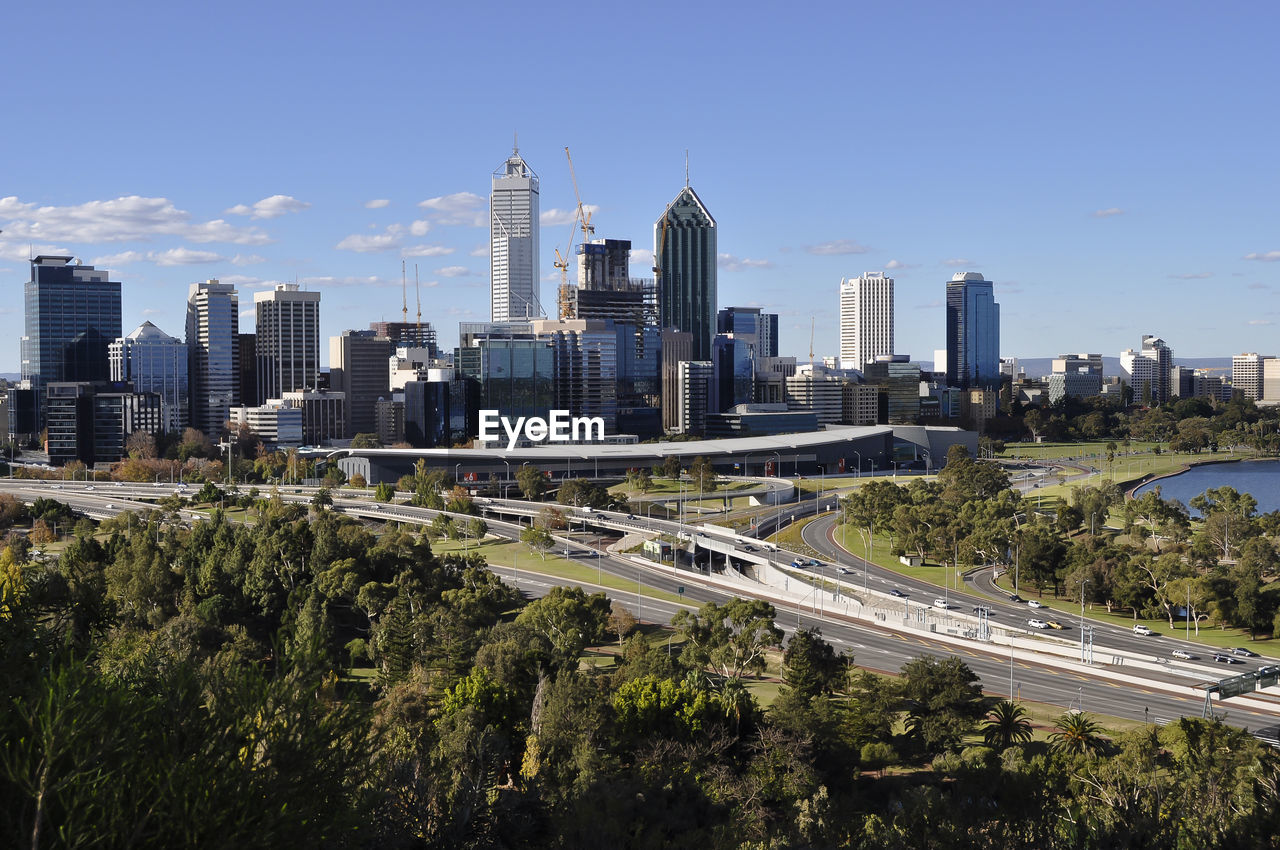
(581, 218)
(404, 294)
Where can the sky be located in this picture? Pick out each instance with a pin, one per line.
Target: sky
(1111, 167)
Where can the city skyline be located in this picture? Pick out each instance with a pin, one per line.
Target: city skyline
(1087, 186)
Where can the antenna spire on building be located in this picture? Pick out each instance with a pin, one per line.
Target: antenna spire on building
(417, 294)
(515, 144)
(686, 168)
(404, 295)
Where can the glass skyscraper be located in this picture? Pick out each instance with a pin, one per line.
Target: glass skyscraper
(684, 243)
(155, 362)
(513, 233)
(72, 315)
(973, 332)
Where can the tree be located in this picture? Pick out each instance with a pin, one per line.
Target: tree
(942, 699)
(731, 638)
(703, 474)
(810, 665)
(321, 500)
(671, 467)
(621, 621)
(1228, 517)
(531, 481)
(568, 618)
(538, 539)
(639, 479)
(140, 445)
(366, 441)
(552, 519)
(385, 492)
(1078, 734)
(1006, 725)
(357, 482)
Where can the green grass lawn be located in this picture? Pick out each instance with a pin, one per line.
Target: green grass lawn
(672, 487)
(931, 572)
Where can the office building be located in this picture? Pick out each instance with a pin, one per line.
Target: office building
(866, 319)
(1075, 363)
(771, 375)
(684, 243)
(505, 367)
(677, 347)
(815, 388)
(1246, 374)
(358, 370)
(213, 354)
(732, 360)
(695, 380)
(973, 332)
(288, 340)
(1148, 370)
(154, 362)
(514, 289)
(1082, 383)
(276, 424)
(898, 381)
(409, 335)
(72, 315)
(758, 328)
(90, 421)
(860, 404)
(586, 367)
(389, 418)
(323, 415)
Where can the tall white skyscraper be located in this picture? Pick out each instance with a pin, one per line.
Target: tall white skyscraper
(213, 356)
(866, 319)
(288, 343)
(513, 254)
(1246, 374)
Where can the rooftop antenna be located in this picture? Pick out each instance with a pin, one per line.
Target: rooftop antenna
(417, 294)
(404, 295)
(812, 321)
(515, 143)
(686, 168)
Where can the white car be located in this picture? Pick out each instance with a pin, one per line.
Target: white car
(1037, 624)
(1183, 654)
(1140, 629)
(1035, 603)
(943, 604)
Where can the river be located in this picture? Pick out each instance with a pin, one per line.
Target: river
(1258, 478)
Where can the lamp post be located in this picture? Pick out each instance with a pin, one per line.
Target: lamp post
(456, 474)
(1082, 584)
(777, 525)
(858, 474)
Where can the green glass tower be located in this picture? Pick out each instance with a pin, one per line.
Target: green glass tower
(684, 256)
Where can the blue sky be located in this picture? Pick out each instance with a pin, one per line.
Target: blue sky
(1113, 170)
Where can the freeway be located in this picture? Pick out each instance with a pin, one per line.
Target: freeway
(873, 646)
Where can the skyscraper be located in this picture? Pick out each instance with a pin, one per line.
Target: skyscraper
(513, 231)
(866, 319)
(358, 369)
(1246, 374)
(684, 243)
(758, 328)
(72, 315)
(973, 332)
(288, 340)
(155, 362)
(213, 353)
(1148, 370)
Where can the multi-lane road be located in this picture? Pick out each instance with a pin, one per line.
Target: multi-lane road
(873, 646)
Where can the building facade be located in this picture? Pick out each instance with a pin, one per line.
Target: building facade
(514, 290)
(1246, 374)
(288, 340)
(213, 354)
(696, 381)
(154, 362)
(72, 315)
(866, 319)
(973, 332)
(684, 241)
(358, 369)
(1148, 370)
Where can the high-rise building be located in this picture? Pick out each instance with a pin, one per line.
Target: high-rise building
(866, 319)
(72, 315)
(408, 334)
(684, 243)
(1070, 363)
(1148, 370)
(1246, 374)
(758, 328)
(586, 367)
(677, 346)
(504, 367)
(695, 379)
(155, 362)
(288, 340)
(973, 332)
(898, 380)
(213, 353)
(604, 264)
(90, 421)
(734, 374)
(358, 369)
(513, 232)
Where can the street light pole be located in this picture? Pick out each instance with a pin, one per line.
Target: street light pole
(1082, 585)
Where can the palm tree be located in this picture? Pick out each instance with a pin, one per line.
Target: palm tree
(1006, 725)
(1077, 733)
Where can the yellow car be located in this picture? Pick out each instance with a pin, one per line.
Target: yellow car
(1054, 624)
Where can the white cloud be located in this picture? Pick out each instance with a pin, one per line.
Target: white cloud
(272, 207)
(371, 280)
(377, 204)
(837, 247)
(894, 265)
(426, 251)
(480, 251)
(453, 271)
(247, 259)
(121, 259)
(1108, 212)
(959, 261)
(184, 257)
(25, 251)
(251, 313)
(365, 244)
(1268, 257)
(555, 217)
(640, 257)
(1192, 276)
(125, 219)
(151, 311)
(730, 263)
(460, 208)
(420, 227)
(1261, 322)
